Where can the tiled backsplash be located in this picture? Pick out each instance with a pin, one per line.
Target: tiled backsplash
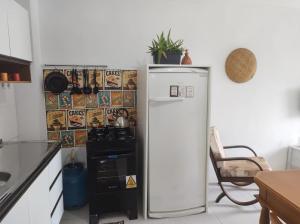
(70, 116)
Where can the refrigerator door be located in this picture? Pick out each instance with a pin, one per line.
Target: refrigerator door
(177, 143)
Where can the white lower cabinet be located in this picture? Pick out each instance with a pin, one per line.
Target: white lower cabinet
(19, 213)
(55, 192)
(42, 203)
(38, 205)
(58, 212)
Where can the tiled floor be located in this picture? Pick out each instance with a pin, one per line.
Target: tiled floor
(223, 213)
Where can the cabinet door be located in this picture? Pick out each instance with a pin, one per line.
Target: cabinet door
(19, 32)
(19, 213)
(39, 208)
(4, 38)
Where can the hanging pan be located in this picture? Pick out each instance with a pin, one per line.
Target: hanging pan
(56, 82)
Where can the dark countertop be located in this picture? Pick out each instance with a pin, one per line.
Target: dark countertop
(24, 161)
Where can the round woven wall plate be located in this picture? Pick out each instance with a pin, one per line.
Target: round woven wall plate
(241, 65)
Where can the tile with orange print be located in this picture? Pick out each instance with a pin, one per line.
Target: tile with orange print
(95, 118)
(51, 101)
(56, 120)
(80, 137)
(91, 101)
(53, 136)
(128, 98)
(79, 101)
(129, 79)
(132, 115)
(116, 98)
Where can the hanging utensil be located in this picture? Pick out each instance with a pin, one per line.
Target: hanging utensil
(86, 89)
(96, 88)
(84, 81)
(73, 82)
(77, 86)
(89, 88)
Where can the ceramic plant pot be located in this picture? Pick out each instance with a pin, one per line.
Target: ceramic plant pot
(172, 58)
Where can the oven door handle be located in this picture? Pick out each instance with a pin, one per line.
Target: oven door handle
(113, 157)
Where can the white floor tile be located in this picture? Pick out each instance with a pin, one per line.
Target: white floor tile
(224, 212)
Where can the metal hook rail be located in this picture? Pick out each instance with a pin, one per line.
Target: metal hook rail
(84, 66)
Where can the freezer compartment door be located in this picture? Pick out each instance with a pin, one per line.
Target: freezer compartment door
(177, 144)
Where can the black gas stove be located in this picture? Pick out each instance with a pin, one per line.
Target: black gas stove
(112, 172)
(110, 134)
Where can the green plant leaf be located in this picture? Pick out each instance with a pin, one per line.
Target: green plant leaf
(163, 45)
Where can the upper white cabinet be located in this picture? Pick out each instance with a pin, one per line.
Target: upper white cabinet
(15, 39)
(4, 38)
(19, 32)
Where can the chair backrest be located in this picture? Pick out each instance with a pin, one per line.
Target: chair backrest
(216, 145)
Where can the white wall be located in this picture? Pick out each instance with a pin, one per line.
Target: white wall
(8, 111)
(30, 97)
(263, 113)
(8, 118)
(24, 3)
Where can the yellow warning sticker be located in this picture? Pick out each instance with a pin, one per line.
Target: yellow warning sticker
(131, 182)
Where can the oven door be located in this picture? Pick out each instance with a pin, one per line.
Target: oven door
(110, 172)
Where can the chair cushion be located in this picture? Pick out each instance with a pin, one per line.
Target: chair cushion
(243, 168)
(216, 144)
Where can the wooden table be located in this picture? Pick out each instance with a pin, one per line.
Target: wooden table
(279, 191)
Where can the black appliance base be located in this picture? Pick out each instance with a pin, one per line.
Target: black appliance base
(131, 214)
(94, 219)
(125, 201)
(112, 173)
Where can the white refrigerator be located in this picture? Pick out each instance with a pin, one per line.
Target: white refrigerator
(175, 140)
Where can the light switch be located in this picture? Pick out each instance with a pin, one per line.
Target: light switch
(173, 91)
(190, 91)
(182, 91)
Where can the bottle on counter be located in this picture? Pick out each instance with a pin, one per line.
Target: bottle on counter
(186, 60)
(16, 76)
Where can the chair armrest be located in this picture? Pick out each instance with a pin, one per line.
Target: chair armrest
(240, 146)
(240, 158)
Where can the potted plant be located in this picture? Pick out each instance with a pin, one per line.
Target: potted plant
(166, 51)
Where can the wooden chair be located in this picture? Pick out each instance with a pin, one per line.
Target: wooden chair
(274, 219)
(239, 171)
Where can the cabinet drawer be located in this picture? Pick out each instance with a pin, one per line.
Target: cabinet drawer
(55, 191)
(58, 212)
(54, 167)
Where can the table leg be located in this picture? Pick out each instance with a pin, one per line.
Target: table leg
(264, 216)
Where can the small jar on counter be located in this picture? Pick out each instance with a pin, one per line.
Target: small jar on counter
(4, 76)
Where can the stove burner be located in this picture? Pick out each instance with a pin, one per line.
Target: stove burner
(109, 134)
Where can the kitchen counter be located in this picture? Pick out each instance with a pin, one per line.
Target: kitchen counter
(21, 162)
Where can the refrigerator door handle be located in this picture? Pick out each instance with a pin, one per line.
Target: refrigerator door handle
(166, 99)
